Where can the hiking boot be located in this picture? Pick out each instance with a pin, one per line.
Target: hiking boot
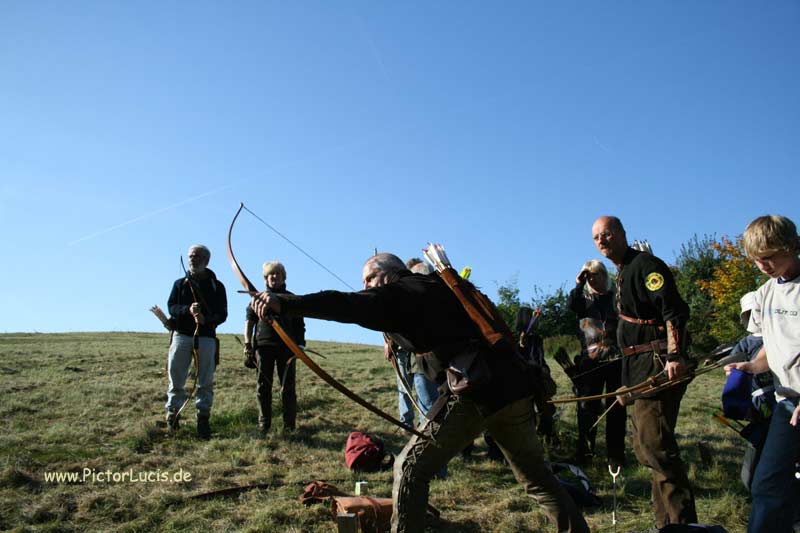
(203, 427)
(173, 422)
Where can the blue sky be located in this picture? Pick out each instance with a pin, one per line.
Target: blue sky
(129, 131)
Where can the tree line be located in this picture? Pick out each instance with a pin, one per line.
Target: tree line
(712, 274)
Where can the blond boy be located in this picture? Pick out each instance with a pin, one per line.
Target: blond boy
(773, 244)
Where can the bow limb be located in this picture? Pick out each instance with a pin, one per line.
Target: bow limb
(650, 382)
(297, 352)
(657, 383)
(407, 389)
(330, 380)
(633, 396)
(195, 344)
(246, 283)
(692, 373)
(600, 365)
(403, 381)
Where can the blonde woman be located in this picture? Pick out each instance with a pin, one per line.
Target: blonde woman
(593, 302)
(272, 352)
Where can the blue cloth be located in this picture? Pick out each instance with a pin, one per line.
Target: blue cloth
(426, 389)
(774, 488)
(180, 360)
(749, 345)
(427, 393)
(764, 400)
(736, 402)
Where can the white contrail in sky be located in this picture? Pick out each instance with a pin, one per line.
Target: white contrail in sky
(601, 145)
(373, 47)
(336, 149)
(148, 215)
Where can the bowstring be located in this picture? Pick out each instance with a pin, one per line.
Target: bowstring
(287, 239)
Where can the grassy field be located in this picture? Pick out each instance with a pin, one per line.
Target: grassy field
(94, 403)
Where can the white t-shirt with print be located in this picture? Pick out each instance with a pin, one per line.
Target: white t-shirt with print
(776, 316)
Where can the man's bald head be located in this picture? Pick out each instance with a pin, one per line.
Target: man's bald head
(379, 268)
(609, 237)
(612, 222)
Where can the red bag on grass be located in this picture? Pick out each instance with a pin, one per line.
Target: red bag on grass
(366, 453)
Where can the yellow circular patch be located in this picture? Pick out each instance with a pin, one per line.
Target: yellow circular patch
(654, 281)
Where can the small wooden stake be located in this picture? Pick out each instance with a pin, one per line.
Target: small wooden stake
(347, 522)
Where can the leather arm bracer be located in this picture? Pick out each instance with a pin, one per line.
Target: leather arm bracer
(676, 341)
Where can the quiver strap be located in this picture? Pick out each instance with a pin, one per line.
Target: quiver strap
(480, 309)
(496, 333)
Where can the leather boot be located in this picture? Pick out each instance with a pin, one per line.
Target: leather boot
(203, 426)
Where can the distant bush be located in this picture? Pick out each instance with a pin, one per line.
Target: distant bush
(556, 318)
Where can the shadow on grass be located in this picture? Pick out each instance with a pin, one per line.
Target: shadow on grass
(146, 437)
(235, 423)
(441, 525)
(15, 478)
(314, 432)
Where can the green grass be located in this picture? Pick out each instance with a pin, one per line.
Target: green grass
(95, 400)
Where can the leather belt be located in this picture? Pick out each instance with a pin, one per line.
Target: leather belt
(640, 321)
(658, 347)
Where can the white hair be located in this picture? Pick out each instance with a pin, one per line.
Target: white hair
(205, 251)
(595, 266)
(422, 268)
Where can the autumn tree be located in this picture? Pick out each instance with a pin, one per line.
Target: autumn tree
(733, 275)
(695, 263)
(508, 301)
(556, 317)
(711, 274)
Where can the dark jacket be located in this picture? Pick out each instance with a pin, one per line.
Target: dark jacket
(531, 343)
(647, 291)
(266, 337)
(211, 297)
(426, 313)
(601, 309)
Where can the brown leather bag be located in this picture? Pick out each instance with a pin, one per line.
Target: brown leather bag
(467, 371)
(318, 492)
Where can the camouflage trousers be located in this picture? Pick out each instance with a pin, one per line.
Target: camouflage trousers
(455, 425)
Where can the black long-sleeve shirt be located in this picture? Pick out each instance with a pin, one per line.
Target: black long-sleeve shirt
(211, 297)
(647, 291)
(425, 312)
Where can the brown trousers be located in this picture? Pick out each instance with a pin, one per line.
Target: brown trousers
(655, 447)
(456, 425)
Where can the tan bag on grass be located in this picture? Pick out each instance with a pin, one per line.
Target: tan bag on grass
(374, 514)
